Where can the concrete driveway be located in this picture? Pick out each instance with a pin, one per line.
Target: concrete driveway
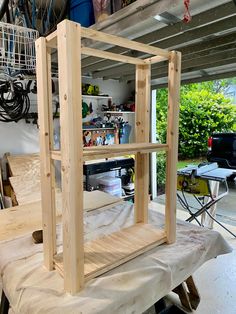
(226, 207)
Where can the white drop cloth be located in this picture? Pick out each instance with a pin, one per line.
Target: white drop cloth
(130, 288)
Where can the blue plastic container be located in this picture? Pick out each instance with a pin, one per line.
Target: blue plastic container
(81, 11)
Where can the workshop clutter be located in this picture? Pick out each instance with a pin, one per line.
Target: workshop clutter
(126, 107)
(89, 89)
(81, 11)
(85, 12)
(101, 9)
(110, 185)
(100, 137)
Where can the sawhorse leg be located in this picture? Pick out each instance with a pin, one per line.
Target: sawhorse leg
(188, 294)
(4, 307)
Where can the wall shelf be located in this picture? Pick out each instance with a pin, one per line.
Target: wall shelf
(96, 97)
(118, 112)
(98, 129)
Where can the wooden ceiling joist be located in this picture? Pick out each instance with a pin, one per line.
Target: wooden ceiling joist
(194, 63)
(170, 32)
(207, 66)
(198, 79)
(228, 24)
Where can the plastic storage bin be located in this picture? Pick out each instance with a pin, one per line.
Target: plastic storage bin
(81, 11)
(110, 185)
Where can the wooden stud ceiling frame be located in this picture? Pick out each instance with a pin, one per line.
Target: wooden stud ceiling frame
(81, 261)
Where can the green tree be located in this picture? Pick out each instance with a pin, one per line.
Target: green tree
(202, 112)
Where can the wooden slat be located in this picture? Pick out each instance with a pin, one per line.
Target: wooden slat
(51, 40)
(155, 59)
(138, 147)
(56, 155)
(172, 141)
(142, 129)
(51, 142)
(1, 182)
(69, 58)
(48, 198)
(98, 152)
(103, 254)
(111, 56)
(123, 42)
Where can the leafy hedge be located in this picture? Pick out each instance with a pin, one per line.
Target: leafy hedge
(161, 171)
(202, 112)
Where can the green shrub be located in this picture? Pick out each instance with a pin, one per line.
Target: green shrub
(202, 112)
(161, 171)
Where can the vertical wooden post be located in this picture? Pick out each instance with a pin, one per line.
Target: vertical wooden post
(172, 141)
(44, 96)
(69, 58)
(142, 129)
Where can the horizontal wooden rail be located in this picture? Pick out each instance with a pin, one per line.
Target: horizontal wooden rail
(51, 41)
(155, 59)
(99, 152)
(111, 56)
(122, 42)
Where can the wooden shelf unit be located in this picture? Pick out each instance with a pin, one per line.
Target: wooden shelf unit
(82, 261)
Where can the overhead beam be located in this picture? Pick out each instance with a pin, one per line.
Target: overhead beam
(195, 63)
(203, 18)
(216, 57)
(198, 79)
(199, 33)
(211, 64)
(190, 52)
(134, 13)
(208, 44)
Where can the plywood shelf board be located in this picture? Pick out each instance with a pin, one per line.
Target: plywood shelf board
(21, 164)
(103, 254)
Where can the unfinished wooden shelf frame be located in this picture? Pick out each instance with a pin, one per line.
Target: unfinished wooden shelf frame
(79, 261)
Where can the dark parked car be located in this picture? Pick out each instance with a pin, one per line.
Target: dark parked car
(222, 149)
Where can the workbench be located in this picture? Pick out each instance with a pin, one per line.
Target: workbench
(96, 167)
(130, 288)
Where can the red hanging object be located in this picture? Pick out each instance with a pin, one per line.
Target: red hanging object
(187, 16)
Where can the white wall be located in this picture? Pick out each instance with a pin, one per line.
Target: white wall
(18, 138)
(119, 91)
(22, 138)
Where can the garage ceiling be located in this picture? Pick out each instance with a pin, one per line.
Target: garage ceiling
(207, 43)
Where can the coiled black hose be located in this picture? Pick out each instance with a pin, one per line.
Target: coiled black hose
(14, 101)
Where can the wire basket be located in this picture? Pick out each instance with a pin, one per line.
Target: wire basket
(17, 48)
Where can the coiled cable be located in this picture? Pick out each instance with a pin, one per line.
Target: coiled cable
(14, 101)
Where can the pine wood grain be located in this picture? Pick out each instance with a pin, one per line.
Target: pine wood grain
(107, 252)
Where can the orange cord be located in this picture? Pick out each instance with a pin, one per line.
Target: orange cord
(187, 16)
